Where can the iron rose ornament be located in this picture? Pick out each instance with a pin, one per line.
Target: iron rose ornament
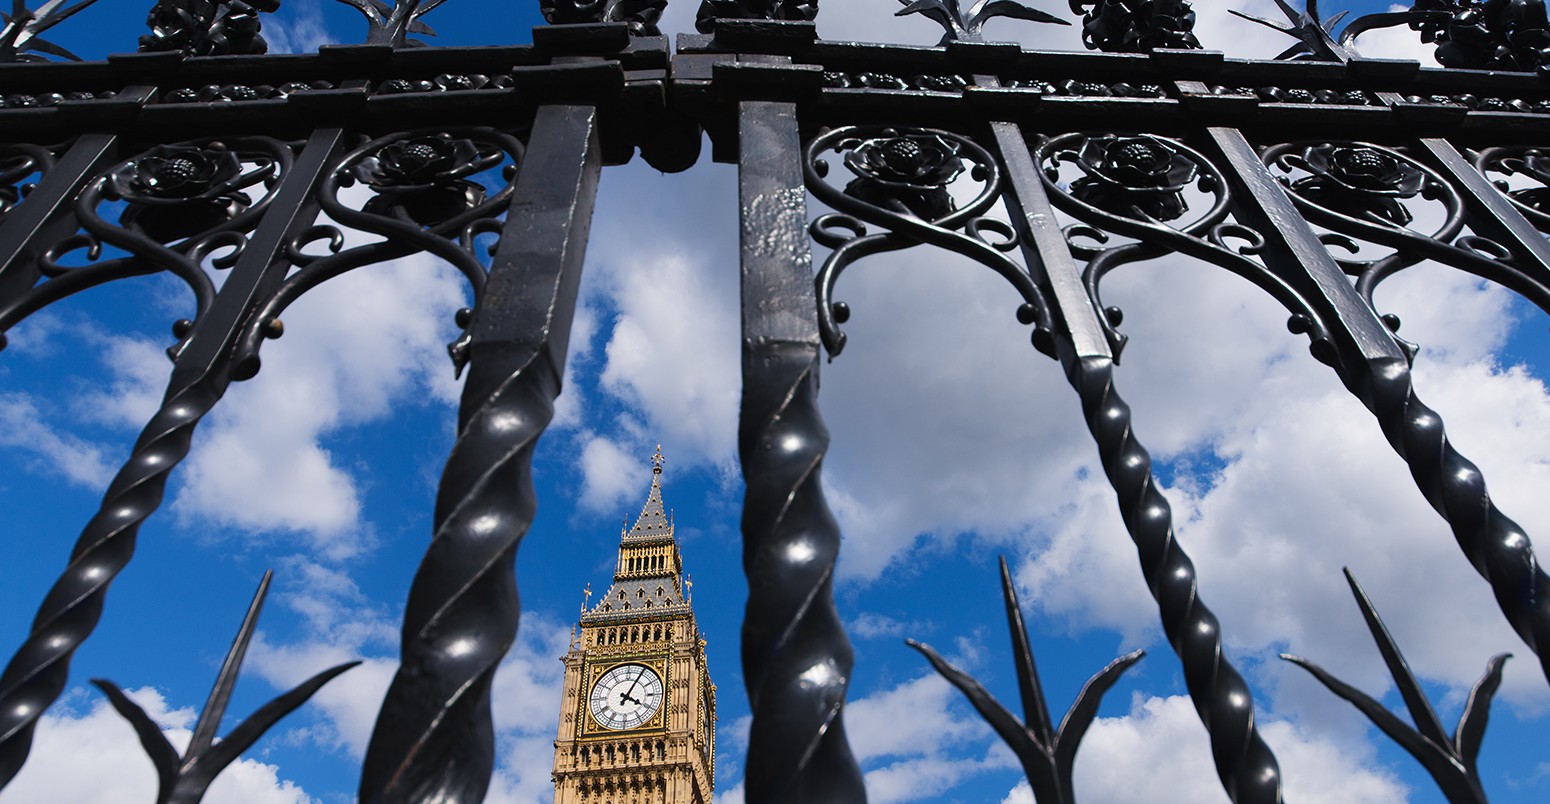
(905, 172)
(1359, 181)
(424, 178)
(1133, 174)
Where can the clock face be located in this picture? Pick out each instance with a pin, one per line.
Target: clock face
(626, 696)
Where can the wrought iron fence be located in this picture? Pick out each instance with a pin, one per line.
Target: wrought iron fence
(1290, 174)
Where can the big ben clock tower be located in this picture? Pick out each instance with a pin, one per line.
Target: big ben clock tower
(638, 717)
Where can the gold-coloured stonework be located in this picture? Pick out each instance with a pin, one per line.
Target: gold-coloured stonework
(643, 620)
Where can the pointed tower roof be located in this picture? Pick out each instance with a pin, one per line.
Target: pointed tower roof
(648, 578)
(653, 523)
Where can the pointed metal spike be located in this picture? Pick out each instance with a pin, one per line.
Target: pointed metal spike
(220, 694)
(1035, 708)
(1265, 22)
(1426, 721)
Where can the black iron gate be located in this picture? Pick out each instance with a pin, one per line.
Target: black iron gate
(201, 147)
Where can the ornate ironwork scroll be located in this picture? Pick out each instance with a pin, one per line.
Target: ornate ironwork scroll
(1364, 191)
(901, 181)
(1136, 26)
(1487, 34)
(434, 739)
(38, 672)
(796, 658)
(185, 203)
(425, 199)
(207, 27)
(1360, 190)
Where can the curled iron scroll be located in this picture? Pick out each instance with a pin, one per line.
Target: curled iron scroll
(184, 204)
(19, 163)
(902, 176)
(1363, 192)
(424, 199)
(1530, 163)
(1135, 186)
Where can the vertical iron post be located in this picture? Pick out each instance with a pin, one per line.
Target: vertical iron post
(796, 657)
(1246, 766)
(434, 739)
(38, 672)
(1374, 368)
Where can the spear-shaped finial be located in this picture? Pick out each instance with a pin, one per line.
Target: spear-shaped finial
(1047, 753)
(1449, 760)
(961, 26)
(19, 34)
(183, 780)
(1316, 36)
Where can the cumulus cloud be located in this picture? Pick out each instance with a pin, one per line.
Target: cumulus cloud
(297, 28)
(52, 450)
(85, 753)
(357, 348)
(341, 624)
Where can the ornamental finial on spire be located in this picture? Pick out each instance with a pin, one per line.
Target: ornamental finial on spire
(656, 461)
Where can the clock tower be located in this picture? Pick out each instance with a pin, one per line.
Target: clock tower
(638, 716)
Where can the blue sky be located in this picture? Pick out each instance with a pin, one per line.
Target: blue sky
(953, 443)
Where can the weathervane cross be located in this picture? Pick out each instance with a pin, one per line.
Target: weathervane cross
(657, 459)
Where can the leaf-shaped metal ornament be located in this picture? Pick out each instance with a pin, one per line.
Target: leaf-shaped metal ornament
(391, 25)
(1316, 36)
(960, 26)
(19, 37)
(1451, 761)
(184, 780)
(1047, 754)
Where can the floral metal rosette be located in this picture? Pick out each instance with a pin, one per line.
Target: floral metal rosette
(424, 178)
(1358, 180)
(1129, 175)
(176, 190)
(905, 172)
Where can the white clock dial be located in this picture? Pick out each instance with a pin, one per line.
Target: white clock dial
(626, 696)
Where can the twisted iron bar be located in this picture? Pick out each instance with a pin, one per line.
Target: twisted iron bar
(434, 737)
(437, 743)
(37, 674)
(1494, 544)
(1244, 763)
(796, 658)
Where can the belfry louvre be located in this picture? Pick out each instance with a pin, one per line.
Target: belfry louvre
(1300, 175)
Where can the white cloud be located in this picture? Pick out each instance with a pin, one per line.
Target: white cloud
(341, 625)
(52, 451)
(94, 757)
(609, 473)
(356, 348)
(297, 27)
(1158, 753)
